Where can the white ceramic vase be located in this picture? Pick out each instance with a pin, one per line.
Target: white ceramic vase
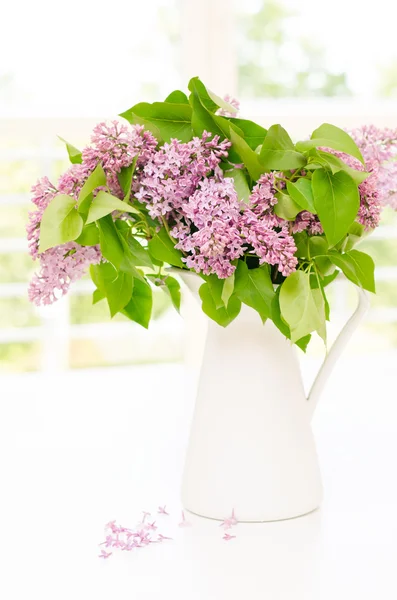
(251, 445)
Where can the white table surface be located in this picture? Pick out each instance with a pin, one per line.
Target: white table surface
(74, 455)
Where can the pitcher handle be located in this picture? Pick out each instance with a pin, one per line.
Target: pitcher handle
(336, 350)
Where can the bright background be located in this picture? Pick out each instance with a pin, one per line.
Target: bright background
(92, 427)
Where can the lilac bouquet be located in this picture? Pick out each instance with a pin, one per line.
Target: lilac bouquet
(186, 183)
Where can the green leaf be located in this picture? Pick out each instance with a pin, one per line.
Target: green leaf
(304, 342)
(324, 266)
(246, 154)
(97, 296)
(74, 153)
(111, 245)
(61, 223)
(317, 285)
(298, 306)
(240, 184)
(319, 301)
(139, 308)
(134, 119)
(117, 287)
(177, 97)
(102, 271)
(310, 246)
(89, 236)
(254, 288)
(302, 244)
(337, 164)
(355, 234)
(215, 286)
(276, 315)
(223, 316)
(254, 134)
(162, 248)
(278, 151)
(138, 253)
(337, 201)
(125, 178)
(221, 103)
(173, 289)
(93, 181)
(171, 120)
(330, 136)
(301, 192)
(327, 279)
(357, 266)
(204, 119)
(286, 207)
(116, 249)
(118, 292)
(104, 203)
(197, 87)
(170, 286)
(317, 245)
(227, 289)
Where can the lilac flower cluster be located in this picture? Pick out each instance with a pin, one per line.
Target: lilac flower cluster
(211, 230)
(61, 266)
(306, 221)
(379, 149)
(183, 185)
(268, 235)
(172, 174)
(114, 146)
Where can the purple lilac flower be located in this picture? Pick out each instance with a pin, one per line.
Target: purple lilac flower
(211, 235)
(233, 102)
(173, 173)
(379, 148)
(306, 221)
(59, 267)
(268, 235)
(114, 145)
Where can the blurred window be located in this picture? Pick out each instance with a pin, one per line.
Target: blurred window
(69, 65)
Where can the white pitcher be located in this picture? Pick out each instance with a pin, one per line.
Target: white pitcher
(251, 446)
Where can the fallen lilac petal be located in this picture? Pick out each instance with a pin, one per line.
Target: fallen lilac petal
(184, 523)
(227, 537)
(145, 515)
(151, 526)
(108, 541)
(126, 530)
(162, 537)
(145, 542)
(226, 524)
(111, 525)
(233, 519)
(162, 511)
(140, 534)
(104, 554)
